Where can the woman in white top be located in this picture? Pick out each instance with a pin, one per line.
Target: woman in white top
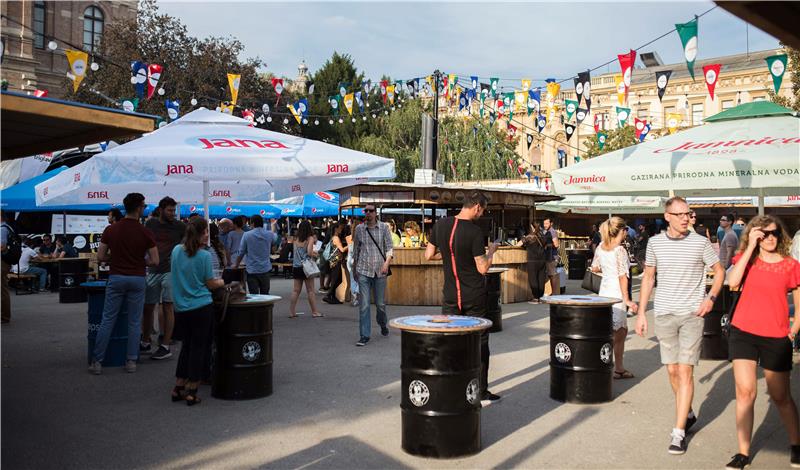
(611, 259)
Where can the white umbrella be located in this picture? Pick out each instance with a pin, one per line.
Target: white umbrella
(206, 146)
(606, 205)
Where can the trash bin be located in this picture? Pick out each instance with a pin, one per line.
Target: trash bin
(117, 351)
(71, 274)
(715, 346)
(440, 386)
(581, 348)
(494, 298)
(576, 260)
(243, 361)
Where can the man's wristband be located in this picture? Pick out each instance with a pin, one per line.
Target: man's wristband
(712, 297)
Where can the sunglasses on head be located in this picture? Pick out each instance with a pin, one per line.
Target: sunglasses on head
(775, 233)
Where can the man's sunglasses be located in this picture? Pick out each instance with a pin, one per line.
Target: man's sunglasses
(369, 210)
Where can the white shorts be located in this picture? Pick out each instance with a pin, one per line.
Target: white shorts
(619, 316)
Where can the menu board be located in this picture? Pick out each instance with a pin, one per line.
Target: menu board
(78, 224)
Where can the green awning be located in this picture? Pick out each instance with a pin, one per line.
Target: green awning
(750, 110)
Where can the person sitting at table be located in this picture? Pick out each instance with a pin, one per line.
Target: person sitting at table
(64, 249)
(412, 235)
(46, 249)
(24, 266)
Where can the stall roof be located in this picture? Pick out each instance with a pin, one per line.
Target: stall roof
(407, 194)
(33, 125)
(776, 18)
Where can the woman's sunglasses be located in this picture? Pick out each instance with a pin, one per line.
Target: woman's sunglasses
(775, 233)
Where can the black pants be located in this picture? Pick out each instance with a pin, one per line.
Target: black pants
(335, 280)
(537, 276)
(258, 283)
(195, 327)
(476, 309)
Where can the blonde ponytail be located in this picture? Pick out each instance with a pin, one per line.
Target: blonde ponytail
(610, 229)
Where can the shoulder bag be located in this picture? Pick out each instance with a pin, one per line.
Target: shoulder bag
(727, 318)
(380, 250)
(591, 281)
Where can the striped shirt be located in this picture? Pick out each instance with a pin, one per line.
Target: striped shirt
(680, 271)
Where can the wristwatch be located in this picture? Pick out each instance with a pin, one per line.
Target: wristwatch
(711, 297)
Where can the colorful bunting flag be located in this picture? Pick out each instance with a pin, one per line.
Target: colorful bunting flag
(493, 85)
(534, 101)
(492, 118)
(368, 86)
(552, 91)
(359, 101)
(342, 87)
(571, 107)
(541, 122)
(639, 126)
(390, 94)
(173, 109)
(526, 84)
(277, 84)
(626, 62)
(645, 132)
(139, 77)
(310, 88)
(348, 103)
(78, 62)
(474, 80)
(711, 74)
(585, 78)
(619, 83)
(581, 114)
(233, 82)
(662, 79)
(622, 115)
(777, 67)
(462, 101)
(334, 102)
(226, 108)
(601, 140)
(520, 101)
(673, 121)
(688, 34)
(569, 129)
(512, 131)
(153, 76)
(40, 93)
(596, 124)
(529, 140)
(384, 86)
(130, 104)
(300, 109)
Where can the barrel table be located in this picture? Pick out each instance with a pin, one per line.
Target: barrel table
(715, 346)
(117, 351)
(581, 348)
(494, 296)
(576, 260)
(243, 359)
(72, 272)
(440, 387)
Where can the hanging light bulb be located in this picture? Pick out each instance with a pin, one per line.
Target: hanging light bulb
(363, 118)
(316, 122)
(330, 121)
(353, 120)
(161, 91)
(305, 121)
(341, 120)
(374, 116)
(285, 121)
(269, 118)
(95, 66)
(52, 45)
(194, 101)
(386, 112)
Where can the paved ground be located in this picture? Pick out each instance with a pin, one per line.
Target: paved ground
(337, 406)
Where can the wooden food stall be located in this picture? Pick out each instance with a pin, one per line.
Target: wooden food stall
(417, 281)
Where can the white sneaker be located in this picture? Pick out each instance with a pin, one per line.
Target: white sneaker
(96, 368)
(130, 367)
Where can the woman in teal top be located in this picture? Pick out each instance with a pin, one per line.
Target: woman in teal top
(192, 282)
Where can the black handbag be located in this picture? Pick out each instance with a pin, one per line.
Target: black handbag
(727, 319)
(591, 281)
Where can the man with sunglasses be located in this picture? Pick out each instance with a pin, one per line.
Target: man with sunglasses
(680, 259)
(729, 242)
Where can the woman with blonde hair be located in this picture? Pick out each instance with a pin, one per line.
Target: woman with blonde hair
(412, 236)
(760, 332)
(611, 259)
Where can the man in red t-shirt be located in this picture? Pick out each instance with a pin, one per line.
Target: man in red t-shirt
(132, 249)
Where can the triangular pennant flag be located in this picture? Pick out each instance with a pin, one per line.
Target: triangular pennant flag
(586, 79)
(552, 91)
(78, 62)
(529, 140)
(130, 104)
(153, 76)
(520, 101)
(622, 115)
(302, 107)
(233, 82)
(500, 107)
(462, 101)
(619, 84)
(310, 88)
(571, 106)
(474, 81)
(482, 107)
(512, 131)
(662, 80)
(40, 93)
(601, 140)
(384, 85)
(390, 93)
(673, 121)
(334, 102)
(173, 109)
(587, 100)
(534, 101)
(551, 112)
(646, 131)
(348, 103)
(398, 88)
(711, 74)
(688, 34)
(343, 88)
(777, 67)
(541, 122)
(579, 88)
(492, 118)
(410, 88)
(596, 124)
(295, 112)
(443, 88)
(359, 101)
(626, 62)
(526, 84)
(493, 86)
(250, 116)
(139, 77)
(581, 114)
(569, 129)
(639, 126)
(277, 84)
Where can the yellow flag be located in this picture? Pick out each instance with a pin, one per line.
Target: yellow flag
(620, 85)
(226, 108)
(526, 84)
(348, 103)
(390, 93)
(294, 112)
(77, 65)
(552, 92)
(520, 101)
(673, 121)
(553, 110)
(233, 82)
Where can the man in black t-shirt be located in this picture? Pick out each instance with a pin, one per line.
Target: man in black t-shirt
(465, 260)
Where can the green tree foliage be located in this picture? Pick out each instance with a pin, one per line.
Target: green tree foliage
(616, 139)
(478, 151)
(792, 102)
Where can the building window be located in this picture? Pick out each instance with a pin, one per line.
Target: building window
(760, 98)
(39, 11)
(643, 113)
(697, 114)
(92, 28)
(667, 111)
(727, 104)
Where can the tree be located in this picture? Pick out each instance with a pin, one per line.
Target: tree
(793, 67)
(616, 139)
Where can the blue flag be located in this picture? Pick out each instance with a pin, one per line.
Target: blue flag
(139, 77)
(173, 109)
(474, 81)
(359, 101)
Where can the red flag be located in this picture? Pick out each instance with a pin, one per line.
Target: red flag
(40, 93)
(153, 75)
(277, 84)
(639, 126)
(250, 116)
(512, 131)
(501, 108)
(626, 62)
(511, 163)
(521, 170)
(596, 123)
(446, 88)
(711, 72)
(384, 84)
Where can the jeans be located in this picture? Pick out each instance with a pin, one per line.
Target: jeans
(258, 283)
(42, 273)
(365, 286)
(121, 292)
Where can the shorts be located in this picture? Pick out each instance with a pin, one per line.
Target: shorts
(551, 266)
(158, 289)
(298, 273)
(619, 318)
(773, 354)
(680, 338)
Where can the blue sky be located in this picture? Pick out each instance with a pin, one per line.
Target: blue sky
(507, 40)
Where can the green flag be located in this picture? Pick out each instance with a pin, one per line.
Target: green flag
(493, 84)
(688, 34)
(129, 104)
(622, 115)
(601, 140)
(777, 67)
(334, 102)
(571, 106)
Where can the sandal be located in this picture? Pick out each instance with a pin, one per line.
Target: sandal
(317, 315)
(625, 374)
(191, 397)
(293, 316)
(177, 393)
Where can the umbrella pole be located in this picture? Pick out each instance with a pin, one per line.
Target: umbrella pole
(760, 202)
(64, 228)
(205, 205)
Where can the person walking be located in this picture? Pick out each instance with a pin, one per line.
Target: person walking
(351, 230)
(193, 280)
(339, 250)
(303, 249)
(611, 259)
(373, 251)
(729, 241)
(257, 246)
(168, 232)
(678, 259)
(536, 262)
(760, 331)
(233, 241)
(459, 243)
(551, 255)
(129, 242)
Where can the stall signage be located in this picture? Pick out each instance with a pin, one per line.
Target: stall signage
(79, 224)
(387, 196)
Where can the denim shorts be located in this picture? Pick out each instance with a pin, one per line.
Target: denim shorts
(159, 289)
(680, 338)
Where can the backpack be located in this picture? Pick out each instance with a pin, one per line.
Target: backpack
(13, 247)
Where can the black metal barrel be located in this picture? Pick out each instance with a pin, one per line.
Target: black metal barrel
(494, 298)
(440, 386)
(72, 273)
(576, 260)
(242, 366)
(581, 348)
(715, 345)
